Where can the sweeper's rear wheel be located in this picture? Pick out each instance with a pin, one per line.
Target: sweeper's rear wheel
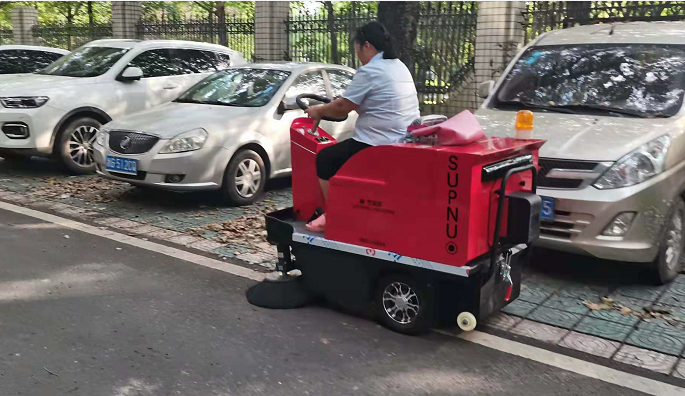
(404, 304)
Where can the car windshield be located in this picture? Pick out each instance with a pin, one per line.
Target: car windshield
(85, 62)
(625, 80)
(237, 87)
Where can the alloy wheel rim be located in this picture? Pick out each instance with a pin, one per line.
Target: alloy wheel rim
(81, 145)
(674, 240)
(401, 303)
(248, 178)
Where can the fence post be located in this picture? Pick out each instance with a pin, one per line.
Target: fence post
(499, 35)
(271, 37)
(126, 16)
(23, 20)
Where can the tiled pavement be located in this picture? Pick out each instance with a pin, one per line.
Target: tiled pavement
(550, 308)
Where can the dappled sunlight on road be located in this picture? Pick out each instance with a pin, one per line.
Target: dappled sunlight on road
(78, 280)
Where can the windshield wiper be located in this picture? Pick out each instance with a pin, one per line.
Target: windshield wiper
(632, 113)
(187, 100)
(528, 105)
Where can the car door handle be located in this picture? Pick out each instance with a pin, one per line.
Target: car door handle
(170, 86)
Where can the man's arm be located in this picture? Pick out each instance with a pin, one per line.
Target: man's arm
(336, 109)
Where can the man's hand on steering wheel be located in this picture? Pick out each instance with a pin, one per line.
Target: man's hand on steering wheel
(329, 111)
(314, 112)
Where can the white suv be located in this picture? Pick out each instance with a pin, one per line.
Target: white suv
(59, 110)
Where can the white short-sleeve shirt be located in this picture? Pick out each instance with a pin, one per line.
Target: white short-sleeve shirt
(386, 95)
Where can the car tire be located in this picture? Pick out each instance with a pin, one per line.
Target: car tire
(245, 178)
(414, 316)
(74, 145)
(669, 262)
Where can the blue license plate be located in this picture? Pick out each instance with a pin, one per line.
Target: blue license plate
(122, 165)
(547, 208)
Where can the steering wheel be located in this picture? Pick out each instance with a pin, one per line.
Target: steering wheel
(305, 106)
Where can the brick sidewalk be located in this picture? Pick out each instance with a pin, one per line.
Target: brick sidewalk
(553, 308)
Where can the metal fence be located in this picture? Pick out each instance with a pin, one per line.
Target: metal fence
(543, 16)
(6, 36)
(69, 37)
(324, 37)
(238, 31)
(443, 54)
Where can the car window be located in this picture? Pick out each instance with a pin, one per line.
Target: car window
(340, 80)
(191, 61)
(156, 63)
(308, 83)
(11, 62)
(86, 62)
(236, 87)
(37, 60)
(224, 61)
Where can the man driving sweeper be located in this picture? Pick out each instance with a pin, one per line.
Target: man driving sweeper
(382, 92)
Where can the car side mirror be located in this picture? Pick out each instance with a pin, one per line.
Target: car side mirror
(288, 103)
(485, 88)
(131, 73)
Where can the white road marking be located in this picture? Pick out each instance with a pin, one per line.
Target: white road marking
(232, 269)
(591, 370)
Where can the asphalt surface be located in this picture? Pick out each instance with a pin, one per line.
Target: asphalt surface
(87, 316)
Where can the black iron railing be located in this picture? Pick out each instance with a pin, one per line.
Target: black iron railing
(69, 36)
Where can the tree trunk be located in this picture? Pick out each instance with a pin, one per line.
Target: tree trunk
(334, 35)
(70, 22)
(401, 19)
(577, 12)
(352, 26)
(221, 16)
(91, 21)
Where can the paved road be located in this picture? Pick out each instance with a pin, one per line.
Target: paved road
(87, 316)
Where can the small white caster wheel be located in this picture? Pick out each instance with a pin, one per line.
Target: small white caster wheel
(466, 321)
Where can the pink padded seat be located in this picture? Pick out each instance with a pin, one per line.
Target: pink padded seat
(460, 130)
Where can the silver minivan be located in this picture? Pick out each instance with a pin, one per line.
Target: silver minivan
(609, 101)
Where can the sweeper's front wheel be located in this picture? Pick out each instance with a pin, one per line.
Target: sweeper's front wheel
(466, 321)
(404, 304)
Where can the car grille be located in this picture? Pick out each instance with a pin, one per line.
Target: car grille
(566, 225)
(140, 176)
(131, 142)
(548, 164)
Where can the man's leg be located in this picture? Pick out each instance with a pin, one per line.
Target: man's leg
(324, 188)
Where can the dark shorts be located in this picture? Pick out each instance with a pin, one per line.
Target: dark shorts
(332, 158)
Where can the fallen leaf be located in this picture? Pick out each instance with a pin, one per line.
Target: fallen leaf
(625, 311)
(593, 306)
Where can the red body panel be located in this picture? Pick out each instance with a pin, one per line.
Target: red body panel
(307, 194)
(426, 202)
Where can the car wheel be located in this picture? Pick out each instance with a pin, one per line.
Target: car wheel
(669, 262)
(404, 304)
(245, 177)
(74, 147)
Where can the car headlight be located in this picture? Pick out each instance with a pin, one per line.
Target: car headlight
(640, 165)
(23, 102)
(101, 137)
(187, 141)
